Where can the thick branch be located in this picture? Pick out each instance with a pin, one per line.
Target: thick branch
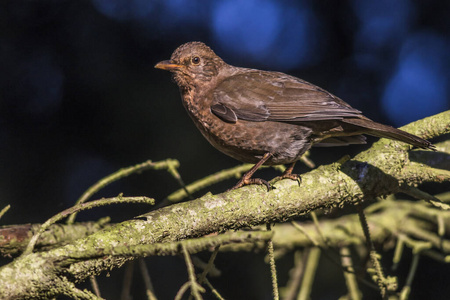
(376, 172)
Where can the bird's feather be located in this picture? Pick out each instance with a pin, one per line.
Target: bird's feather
(267, 96)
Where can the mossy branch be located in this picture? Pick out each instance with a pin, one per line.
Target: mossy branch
(382, 170)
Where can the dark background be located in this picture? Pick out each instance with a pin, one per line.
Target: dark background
(79, 99)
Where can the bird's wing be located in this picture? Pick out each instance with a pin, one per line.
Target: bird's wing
(260, 96)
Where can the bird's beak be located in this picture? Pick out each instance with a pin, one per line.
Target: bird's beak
(168, 65)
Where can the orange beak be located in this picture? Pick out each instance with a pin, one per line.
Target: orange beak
(168, 65)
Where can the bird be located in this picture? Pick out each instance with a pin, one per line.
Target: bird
(266, 117)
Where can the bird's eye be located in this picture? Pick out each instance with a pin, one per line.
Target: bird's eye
(195, 60)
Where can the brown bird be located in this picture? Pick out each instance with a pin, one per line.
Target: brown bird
(266, 117)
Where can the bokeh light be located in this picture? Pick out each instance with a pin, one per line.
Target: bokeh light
(179, 13)
(267, 32)
(419, 85)
(247, 26)
(382, 23)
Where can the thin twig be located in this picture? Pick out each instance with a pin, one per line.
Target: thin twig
(165, 164)
(273, 269)
(421, 195)
(305, 233)
(349, 274)
(412, 271)
(150, 291)
(326, 253)
(437, 256)
(4, 210)
(182, 290)
(381, 280)
(213, 290)
(209, 266)
(308, 162)
(319, 231)
(94, 285)
(296, 274)
(71, 291)
(310, 272)
(195, 288)
(172, 169)
(127, 281)
(198, 263)
(400, 245)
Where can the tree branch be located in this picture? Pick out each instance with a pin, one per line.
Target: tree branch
(379, 171)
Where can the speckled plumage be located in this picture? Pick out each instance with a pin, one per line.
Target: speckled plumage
(246, 113)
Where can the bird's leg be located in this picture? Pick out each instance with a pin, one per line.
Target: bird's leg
(246, 178)
(288, 174)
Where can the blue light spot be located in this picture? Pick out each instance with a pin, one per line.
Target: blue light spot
(182, 12)
(142, 9)
(382, 22)
(267, 32)
(298, 43)
(418, 88)
(246, 27)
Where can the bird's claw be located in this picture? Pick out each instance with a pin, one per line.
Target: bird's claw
(249, 181)
(291, 176)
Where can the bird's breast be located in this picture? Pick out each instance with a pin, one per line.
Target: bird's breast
(199, 110)
(245, 140)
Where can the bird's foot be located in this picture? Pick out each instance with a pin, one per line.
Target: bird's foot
(287, 174)
(247, 178)
(248, 181)
(291, 176)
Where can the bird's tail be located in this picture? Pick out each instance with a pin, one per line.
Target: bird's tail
(385, 131)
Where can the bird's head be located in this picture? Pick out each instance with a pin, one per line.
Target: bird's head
(192, 63)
